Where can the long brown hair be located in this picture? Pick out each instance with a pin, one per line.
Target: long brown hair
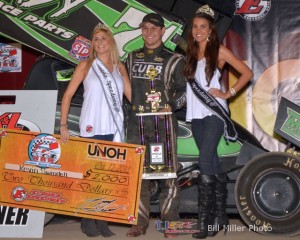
(211, 51)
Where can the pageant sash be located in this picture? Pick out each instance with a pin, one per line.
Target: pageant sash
(210, 102)
(111, 93)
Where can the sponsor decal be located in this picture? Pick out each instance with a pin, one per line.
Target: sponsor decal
(158, 59)
(20, 194)
(44, 151)
(89, 128)
(140, 69)
(3, 133)
(252, 10)
(10, 57)
(291, 125)
(12, 120)
(49, 25)
(131, 219)
(80, 49)
(139, 150)
(140, 55)
(102, 152)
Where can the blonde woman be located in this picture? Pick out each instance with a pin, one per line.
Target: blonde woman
(105, 80)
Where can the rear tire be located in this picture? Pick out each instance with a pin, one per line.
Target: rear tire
(267, 194)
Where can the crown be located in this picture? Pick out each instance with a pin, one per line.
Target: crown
(207, 10)
(102, 26)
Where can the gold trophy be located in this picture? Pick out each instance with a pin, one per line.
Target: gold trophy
(159, 153)
(153, 97)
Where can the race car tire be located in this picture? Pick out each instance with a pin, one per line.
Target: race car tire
(267, 194)
(154, 191)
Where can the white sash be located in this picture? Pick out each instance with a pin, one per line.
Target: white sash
(111, 93)
(211, 103)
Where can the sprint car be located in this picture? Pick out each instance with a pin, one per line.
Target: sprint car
(263, 187)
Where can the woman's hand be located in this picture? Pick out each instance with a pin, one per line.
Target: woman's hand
(218, 93)
(64, 133)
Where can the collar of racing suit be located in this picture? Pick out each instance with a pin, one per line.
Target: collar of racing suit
(154, 51)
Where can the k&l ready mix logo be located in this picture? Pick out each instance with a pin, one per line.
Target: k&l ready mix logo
(252, 10)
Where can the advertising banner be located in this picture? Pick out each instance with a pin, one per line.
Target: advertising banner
(83, 177)
(62, 29)
(266, 35)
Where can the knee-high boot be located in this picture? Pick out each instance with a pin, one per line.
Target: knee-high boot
(219, 208)
(206, 191)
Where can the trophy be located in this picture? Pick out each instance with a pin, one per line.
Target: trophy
(153, 97)
(160, 164)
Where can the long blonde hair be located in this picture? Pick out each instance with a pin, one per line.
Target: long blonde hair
(113, 49)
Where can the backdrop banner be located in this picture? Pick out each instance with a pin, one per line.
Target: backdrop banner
(56, 27)
(83, 177)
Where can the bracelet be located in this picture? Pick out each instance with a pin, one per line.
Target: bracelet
(63, 125)
(232, 92)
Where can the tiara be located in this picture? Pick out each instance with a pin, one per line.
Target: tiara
(102, 26)
(207, 10)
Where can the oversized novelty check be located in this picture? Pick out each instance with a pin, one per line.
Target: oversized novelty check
(84, 177)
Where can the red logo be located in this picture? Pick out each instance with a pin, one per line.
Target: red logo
(80, 48)
(89, 128)
(3, 133)
(252, 10)
(131, 219)
(19, 194)
(139, 150)
(156, 149)
(10, 120)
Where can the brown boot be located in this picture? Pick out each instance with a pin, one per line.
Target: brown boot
(136, 231)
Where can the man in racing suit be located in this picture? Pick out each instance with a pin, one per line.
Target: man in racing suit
(171, 84)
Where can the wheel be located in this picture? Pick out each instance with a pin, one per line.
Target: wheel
(267, 194)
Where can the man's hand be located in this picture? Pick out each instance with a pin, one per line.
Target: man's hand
(167, 108)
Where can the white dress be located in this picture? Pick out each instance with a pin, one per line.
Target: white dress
(195, 109)
(96, 117)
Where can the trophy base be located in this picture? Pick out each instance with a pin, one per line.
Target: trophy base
(159, 175)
